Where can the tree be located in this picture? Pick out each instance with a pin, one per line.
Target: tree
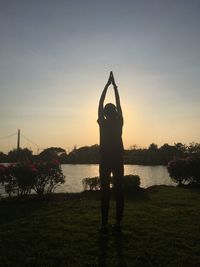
(167, 152)
(3, 157)
(153, 147)
(194, 148)
(51, 153)
(63, 158)
(85, 154)
(152, 155)
(181, 147)
(21, 154)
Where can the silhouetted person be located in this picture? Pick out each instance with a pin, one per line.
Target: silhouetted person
(110, 120)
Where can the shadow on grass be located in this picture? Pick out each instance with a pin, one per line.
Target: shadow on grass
(118, 246)
(193, 187)
(14, 208)
(156, 188)
(139, 194)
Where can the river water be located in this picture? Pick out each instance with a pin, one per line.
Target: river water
(149, 175)
(74, 173)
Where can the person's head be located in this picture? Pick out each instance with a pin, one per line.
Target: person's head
(110, 111)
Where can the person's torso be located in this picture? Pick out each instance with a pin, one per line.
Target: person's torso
(111, 137)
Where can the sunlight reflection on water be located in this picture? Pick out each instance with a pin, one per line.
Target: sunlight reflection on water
(149, 175)
(74, 174)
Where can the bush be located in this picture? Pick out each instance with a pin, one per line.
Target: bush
(24, 175)
(185, 170)
(91, 183)
(7, 179)
(49, 176)
(194, 170)
(21, 178)
(178, 170)
(130, 182)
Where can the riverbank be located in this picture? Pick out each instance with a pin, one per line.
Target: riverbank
(74, 174)
(161, 228)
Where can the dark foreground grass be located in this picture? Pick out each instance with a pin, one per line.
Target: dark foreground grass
(161, 228)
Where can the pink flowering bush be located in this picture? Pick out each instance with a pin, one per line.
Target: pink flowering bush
(7, 179)
(25, 174)
(2, 171)
(22, 178)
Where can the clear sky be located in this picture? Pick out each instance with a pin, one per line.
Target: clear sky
(55, 58)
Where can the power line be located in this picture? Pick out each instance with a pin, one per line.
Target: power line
(28, 139)
(5, 147)
(8, 136)
(14, 134)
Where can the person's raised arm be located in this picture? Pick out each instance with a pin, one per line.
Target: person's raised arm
(102, 98)
(117, 99)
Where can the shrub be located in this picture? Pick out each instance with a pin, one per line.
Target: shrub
(8, 180)
(49, 176)
(18, 178)
(21, 178)
(178, 170)
(194, 170)
(91, 183)
(130, 182)
(2, 172)
(185, 170)
(24, 175)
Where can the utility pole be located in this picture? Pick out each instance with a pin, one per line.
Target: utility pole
(18, 140)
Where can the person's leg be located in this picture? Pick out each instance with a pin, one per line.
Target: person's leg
(105, 192)
(118, 174)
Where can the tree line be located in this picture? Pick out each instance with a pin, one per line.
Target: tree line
(153, 155)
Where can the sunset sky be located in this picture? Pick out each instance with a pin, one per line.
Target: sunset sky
(55, 58)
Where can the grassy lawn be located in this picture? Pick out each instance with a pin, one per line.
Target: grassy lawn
(161, 228)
